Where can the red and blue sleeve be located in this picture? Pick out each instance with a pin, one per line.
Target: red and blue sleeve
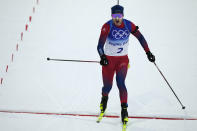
(139, 36)
(103, 36)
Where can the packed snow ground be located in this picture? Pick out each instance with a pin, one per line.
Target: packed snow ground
(70, 29)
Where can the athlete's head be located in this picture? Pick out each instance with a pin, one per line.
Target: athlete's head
(117, 12)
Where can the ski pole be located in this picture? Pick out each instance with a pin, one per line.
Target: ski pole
(117, 2)
(73, 60)
(183, 107)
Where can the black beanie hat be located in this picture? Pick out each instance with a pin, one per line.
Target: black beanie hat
(117, 9)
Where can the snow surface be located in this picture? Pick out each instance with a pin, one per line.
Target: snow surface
(69, 29)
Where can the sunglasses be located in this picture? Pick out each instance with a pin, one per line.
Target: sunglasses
(117, 15)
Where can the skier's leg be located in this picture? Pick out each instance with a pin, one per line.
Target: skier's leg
(121, 72)
(107, 73)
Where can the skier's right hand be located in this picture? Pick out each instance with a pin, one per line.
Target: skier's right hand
(104, 60)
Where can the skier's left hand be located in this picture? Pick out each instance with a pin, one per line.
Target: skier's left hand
(150, 56)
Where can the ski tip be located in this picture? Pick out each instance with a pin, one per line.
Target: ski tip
(100, 117)
(99, 120)
(124, 127)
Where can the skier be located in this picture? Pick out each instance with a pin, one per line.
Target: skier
(113, 50)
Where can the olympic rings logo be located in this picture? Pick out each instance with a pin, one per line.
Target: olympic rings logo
(120, 34)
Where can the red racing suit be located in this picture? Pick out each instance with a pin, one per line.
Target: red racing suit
(113, 43)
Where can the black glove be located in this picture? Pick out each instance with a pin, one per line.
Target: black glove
(104, 60)
(150, 56)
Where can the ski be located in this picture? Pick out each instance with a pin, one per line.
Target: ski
(100, 117)
(124, 126)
